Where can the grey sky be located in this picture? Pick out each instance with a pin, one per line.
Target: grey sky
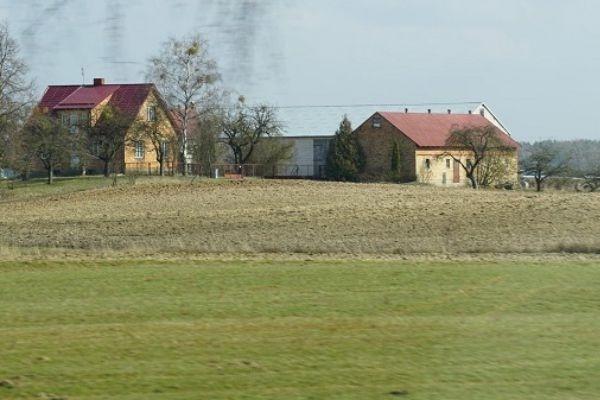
(535, 63)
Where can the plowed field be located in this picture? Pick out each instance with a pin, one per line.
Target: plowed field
(300, 217)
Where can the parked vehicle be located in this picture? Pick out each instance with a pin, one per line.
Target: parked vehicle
(589, 184)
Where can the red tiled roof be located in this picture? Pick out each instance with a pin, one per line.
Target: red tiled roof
(86, 97)
(54, 95)
(130, 97)
(432, 130)
(126, 97)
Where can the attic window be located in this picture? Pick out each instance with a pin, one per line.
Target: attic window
(151, 113)
(377, 121)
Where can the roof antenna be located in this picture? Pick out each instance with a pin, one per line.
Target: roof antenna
(82, 76)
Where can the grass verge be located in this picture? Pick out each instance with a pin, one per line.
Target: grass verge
(299, 330)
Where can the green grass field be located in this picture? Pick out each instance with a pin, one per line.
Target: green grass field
(299, 330)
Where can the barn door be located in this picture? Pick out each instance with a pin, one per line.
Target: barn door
(456, 172)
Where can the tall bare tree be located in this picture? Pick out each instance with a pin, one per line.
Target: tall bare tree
(106, 137)
(244, 126)
(15, 91)
(473, 148)
(184, 74)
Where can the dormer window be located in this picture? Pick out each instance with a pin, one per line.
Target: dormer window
(151, 113)
(376, 121)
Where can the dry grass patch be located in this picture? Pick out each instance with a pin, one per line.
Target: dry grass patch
(300, 217)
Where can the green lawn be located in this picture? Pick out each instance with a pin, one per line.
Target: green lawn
(299, 330)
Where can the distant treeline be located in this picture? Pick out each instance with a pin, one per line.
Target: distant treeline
(582, 155)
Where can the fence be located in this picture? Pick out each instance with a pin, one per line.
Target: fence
(149, 168)
(283, 171)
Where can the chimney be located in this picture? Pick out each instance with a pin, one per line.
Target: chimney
(98, 81)
(449, 111)
(482, 112)
(406, 111)
(470, 112)
(429, 111)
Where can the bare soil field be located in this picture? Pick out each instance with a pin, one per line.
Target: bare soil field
(176, 216)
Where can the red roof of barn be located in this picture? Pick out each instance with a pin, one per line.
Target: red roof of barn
(432, 130)
(126, 97)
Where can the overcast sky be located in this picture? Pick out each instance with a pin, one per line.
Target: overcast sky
(535, 63)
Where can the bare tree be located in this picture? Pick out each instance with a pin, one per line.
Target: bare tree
(545, 160)
(244, 126)
(206, 143)
(15, 91)
(474, 147)
(106, 137)
(184, 74)
(162, 144)
(271, 151)
(50, 141)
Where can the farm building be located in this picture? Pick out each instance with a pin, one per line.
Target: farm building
(424, 153)
(309, 155)
(79, 106)
(311, 129)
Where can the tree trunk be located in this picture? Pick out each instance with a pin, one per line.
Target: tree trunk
(161, 166)
(50, 174)
(106, 170)
(538, 185)
(183, 163)
(473, 180)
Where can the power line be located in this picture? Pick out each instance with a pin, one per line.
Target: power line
(377, 105)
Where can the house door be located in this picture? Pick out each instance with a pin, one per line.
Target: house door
(456, 172)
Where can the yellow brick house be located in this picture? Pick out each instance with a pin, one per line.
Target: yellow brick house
(78, 105)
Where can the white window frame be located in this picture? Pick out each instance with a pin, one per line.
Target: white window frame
(139, 149)
(151, 113)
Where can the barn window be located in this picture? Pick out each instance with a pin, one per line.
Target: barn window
(427, 163)
(377, 121)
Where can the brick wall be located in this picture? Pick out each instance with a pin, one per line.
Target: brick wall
(377, 144)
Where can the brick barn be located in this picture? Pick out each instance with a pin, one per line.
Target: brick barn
(424, 155)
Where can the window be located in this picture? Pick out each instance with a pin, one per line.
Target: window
(64, 118)
(447, 163)
(377, 121)
(139, 150)
(74, 119)
(427, 163)
(151, 113)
